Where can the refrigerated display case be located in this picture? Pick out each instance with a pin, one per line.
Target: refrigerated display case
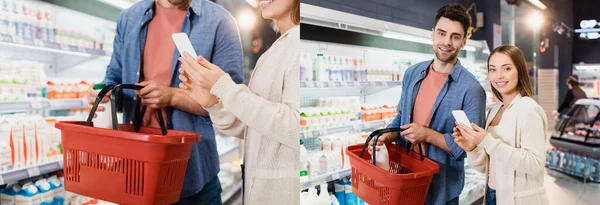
(351, 75)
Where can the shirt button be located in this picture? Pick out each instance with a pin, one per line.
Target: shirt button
(130, 122)
(134, 98)
(138, 73)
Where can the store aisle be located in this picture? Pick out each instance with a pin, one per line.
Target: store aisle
(563, 189)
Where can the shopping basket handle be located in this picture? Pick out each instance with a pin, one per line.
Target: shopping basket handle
(115, 98)
(377, 133)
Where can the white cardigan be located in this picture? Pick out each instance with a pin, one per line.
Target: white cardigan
(519, 153)
(266, 114)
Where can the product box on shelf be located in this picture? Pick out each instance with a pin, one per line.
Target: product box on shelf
(5, 147)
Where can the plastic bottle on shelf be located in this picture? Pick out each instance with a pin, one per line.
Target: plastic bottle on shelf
(11, 17)
(587, 166)
(579, 163)
(324, 198)
(303, 162)
(28, 195)
(309, 72)
(318, 144)
(351, 198)
(596, 169)
(323, 163)
(340, 192)
(49, 25)
(45, 191)
(3, 17)
(555, 157)
(312, 196)
(319, 68)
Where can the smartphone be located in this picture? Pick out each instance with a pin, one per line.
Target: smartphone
(184, 44)
(461, 117)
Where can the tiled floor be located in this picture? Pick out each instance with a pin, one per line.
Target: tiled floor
(564, 189)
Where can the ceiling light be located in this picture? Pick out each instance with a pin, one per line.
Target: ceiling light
(535, 19)
(538, 4)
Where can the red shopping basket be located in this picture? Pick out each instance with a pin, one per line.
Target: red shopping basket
(127, 164)
(406, 183)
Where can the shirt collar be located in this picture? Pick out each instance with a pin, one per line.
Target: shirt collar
(195, 6)
(455, 74)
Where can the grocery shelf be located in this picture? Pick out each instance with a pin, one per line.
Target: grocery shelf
(358, 126)
(16, 42)
(341, 84)
(21, 106)
(325, 178)
(230, 190)
(29, 172)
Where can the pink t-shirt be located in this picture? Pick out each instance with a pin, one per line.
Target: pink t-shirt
(428, 92)
(157, 60)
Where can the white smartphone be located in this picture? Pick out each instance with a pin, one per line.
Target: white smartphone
(184, 44)
(461, 117)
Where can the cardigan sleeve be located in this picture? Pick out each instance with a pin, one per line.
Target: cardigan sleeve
(530, 156)
(278, 121)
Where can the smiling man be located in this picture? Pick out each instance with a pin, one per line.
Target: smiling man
(430, 91)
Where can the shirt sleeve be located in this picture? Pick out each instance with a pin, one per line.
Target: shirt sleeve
(114, 70)
(227, 53)
(474, 107)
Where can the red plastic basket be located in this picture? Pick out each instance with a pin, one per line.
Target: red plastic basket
(125, 166)
(407, 181)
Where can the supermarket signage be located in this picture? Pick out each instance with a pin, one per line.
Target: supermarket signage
(588, 26)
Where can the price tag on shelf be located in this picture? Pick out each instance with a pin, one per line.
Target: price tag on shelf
(61, 164)
(356, 127)
(33, 171)
(378, 83)
(14, 39)
(303, 84)
(36, 105)
(338, 84)
(308, 134)
(81, 49)
(351, 84)
(64, 47)
(326, 84)
(1, 180)
(322, 132)
(335, 176)
(388, 121)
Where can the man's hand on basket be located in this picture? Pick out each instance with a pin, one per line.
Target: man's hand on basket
(386, 138)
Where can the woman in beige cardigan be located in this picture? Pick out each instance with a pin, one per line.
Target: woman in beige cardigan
(511, 150)
(265, 113)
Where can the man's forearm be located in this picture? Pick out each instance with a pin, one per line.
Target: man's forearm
(184, 102)
(437, 139)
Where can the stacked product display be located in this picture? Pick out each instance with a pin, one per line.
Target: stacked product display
(27, 140)
(345, 68)
(574, 164)
(34, 21)
(48, 190)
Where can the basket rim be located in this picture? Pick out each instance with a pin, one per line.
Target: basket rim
(359, 163)
(172, 137)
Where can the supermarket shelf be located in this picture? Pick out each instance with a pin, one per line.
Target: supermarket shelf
(472, 194)
(15, 42)
(325, 178)
(28, 172)
(341, 84)
(354, 127)
(42, 105)
(230, 190)
(229, 150)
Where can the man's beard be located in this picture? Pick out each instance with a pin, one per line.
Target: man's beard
(447, 59)
(179, 3)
